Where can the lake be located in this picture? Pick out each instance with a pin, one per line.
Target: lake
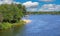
(41, 25)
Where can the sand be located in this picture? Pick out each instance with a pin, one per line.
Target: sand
(27, 20)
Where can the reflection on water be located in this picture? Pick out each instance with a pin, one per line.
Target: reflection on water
(12, 32)
(5, 33)
(41, 25)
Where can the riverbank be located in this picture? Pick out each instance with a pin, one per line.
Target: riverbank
(27, 21)
(6, 25)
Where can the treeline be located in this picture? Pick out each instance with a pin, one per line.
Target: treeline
(58, 12)
(11, 12)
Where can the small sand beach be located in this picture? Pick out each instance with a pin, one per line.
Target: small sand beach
(27, 20)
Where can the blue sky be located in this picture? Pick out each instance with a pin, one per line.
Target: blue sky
(42, 2)
(37, 5)
(43, 5)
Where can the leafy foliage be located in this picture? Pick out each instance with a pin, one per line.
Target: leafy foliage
(11, 12)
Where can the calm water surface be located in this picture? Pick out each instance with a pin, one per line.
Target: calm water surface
(41, 25)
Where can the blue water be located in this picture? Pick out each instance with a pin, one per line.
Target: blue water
(43, 25)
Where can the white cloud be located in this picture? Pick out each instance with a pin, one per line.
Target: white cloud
(16, 2)
(8, 2)
(50, 7)
(32, 9)
(1, 2)
(31, 4)
(46, 0)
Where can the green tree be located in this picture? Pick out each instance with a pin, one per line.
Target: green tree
(12, 12)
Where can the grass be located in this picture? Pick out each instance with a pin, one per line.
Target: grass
(7, 25)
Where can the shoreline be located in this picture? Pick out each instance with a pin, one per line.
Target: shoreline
(27, 21)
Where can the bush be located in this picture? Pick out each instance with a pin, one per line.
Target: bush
(5, 25)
